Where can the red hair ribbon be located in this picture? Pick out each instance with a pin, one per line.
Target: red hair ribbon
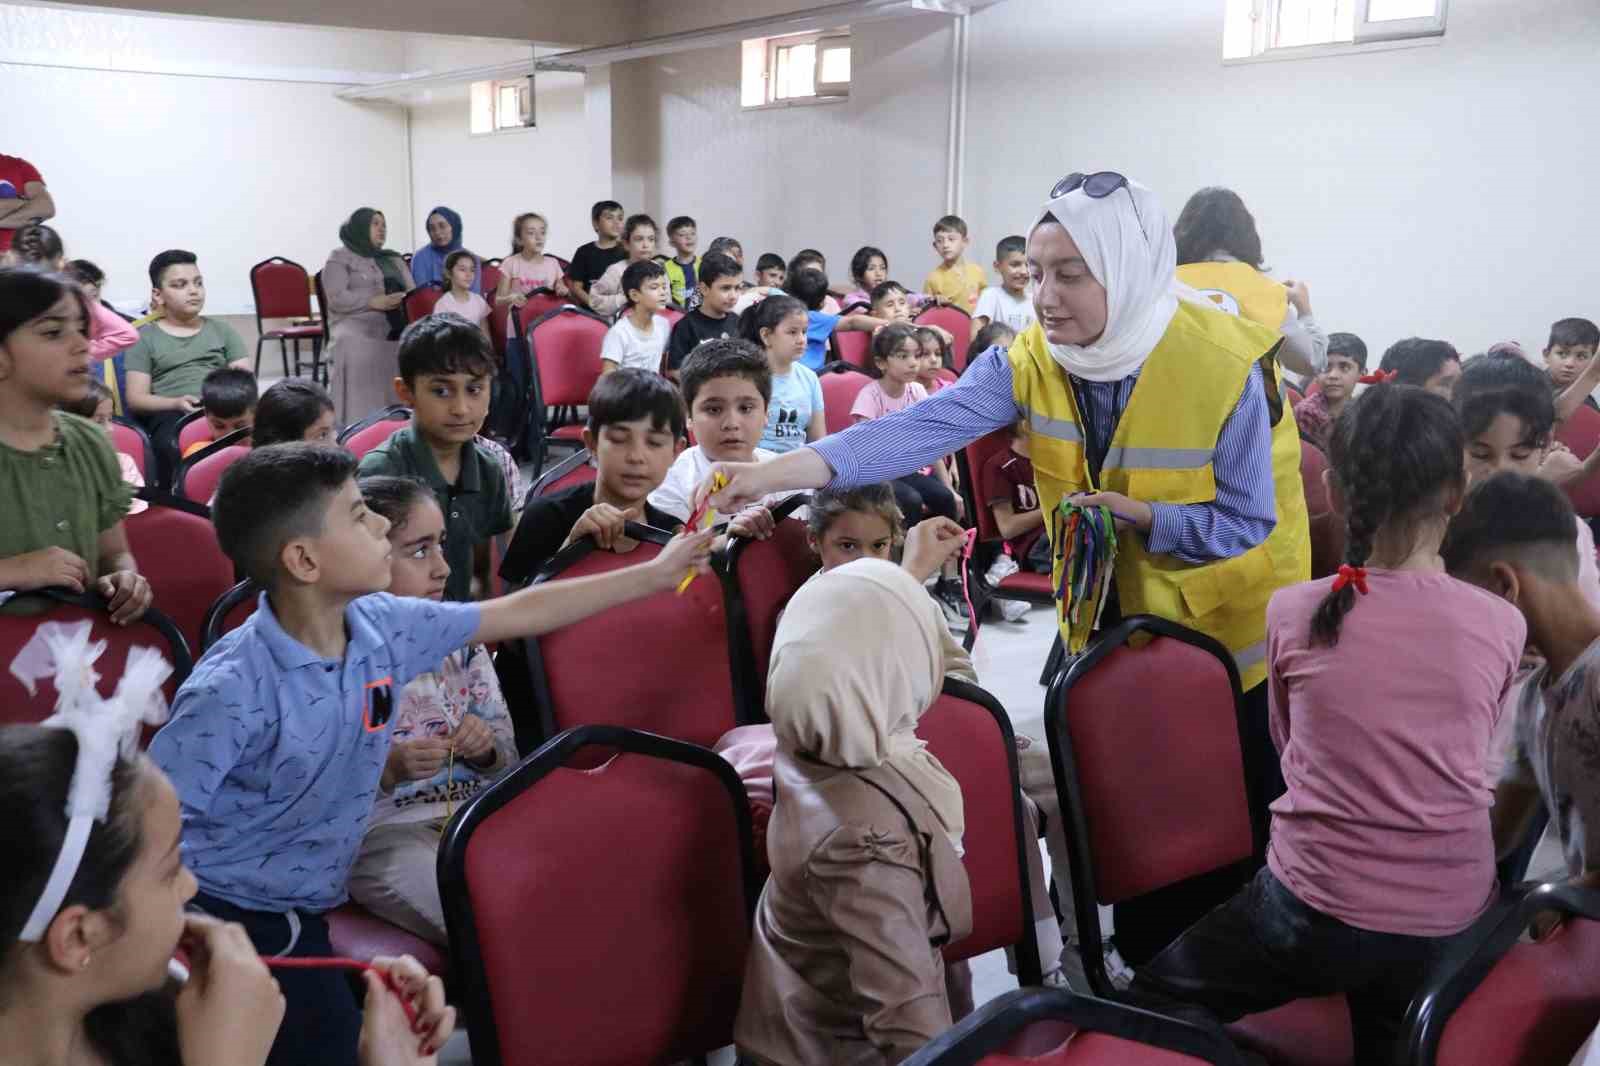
(1378, 377)
(1351, 575)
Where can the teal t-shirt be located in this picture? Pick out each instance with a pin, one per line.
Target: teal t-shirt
(796, 396)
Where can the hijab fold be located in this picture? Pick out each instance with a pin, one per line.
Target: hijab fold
(357, 236)
(427, 262)
(1126, 241)
(857, 661)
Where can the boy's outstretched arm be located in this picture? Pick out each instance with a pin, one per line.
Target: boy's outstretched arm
(549, 606)
(1571, 398)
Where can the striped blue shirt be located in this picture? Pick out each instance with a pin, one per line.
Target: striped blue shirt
(982, 401)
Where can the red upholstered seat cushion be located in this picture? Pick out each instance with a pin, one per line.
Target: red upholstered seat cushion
(357, 933)
(200, 480)
(1058, 1043)
(362, 442)
(568, 432)
(17, 707)
(853, 346)
(839, 392)
(1306, 1032)
(293, 332)
(179, 555)
(1022, 581)
(609, 907)
(566, 356)
(770, 572)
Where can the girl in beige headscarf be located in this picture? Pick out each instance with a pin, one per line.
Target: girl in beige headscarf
(865, 838)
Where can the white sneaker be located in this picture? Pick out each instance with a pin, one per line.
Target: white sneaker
(1117, 969)
(1002, 567)
(1013, 610)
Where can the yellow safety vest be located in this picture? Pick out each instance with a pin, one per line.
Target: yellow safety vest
(1241, 289)
(1162, 452)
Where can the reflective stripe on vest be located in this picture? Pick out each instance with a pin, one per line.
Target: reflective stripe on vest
(1156, 458)
(1058, 428)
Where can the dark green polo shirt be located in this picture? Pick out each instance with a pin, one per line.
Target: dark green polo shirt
(476, 507)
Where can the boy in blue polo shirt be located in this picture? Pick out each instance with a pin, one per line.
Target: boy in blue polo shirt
(279, 738)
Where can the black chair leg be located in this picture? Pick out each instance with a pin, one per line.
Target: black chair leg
(1053, 664)
(260, 340)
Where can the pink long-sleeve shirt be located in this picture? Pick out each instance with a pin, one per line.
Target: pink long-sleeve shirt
(108, 332)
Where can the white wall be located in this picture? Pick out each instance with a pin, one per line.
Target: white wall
(1443, 191)
(233, 168)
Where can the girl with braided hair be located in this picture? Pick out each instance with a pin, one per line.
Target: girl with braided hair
(1385, 688)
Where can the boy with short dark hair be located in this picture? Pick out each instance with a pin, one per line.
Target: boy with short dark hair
(1007, 303)
(591, 260)
(683, 268)
(228, 398)
(810, 287)
(606, 295)
(891, 302)
(446, 370)
(1516, 536)
(174, 353)
(279, 738)
(1316, 414)
(1430, 364)
(714, 319)
(955, 280)
(769, 271)
(1569, 352)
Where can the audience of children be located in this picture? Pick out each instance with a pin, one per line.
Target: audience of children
(869, 268)
(779, 326)
(1336, 385)
(954, 280)
(1569, 352)
(365, 284)
(606, 295)
(430, 263)
(935, 358)
(460, 296)
(683, 266)
(638, 338)
(446, 370)
(96, 407)
(451, 734)
(1381, 855)
(1433, 365)
(1008, 303)
(593, 259)
(228, 404)
(714, 319)
(293, 409)
(69, 534)
(40, 245)
(527, 267)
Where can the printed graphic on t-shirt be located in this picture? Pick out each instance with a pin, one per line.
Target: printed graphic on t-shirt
(787, 426)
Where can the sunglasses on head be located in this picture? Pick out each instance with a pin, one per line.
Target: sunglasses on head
(1097, 186)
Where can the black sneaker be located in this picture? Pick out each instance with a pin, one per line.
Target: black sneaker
(947, 594)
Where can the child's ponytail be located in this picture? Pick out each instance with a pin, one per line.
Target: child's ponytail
(1395, 453)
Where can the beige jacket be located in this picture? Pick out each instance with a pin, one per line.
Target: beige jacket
(844, 967)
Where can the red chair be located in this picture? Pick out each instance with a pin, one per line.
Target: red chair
(488, 279)
(1327, 525)
(193, 429)
(154, 630)
(420, 302)
(361, 437)
(673, 315)
(1168, 715)
(854, 347)
(676, 678)
(131, 440)
(598, 899)
(1504, 1001)
(282, 290)
(759, 579)
(959, 325)
(576, 469)
(198, 475)
(357, 933)
(179, 555)
(840, 385)
(1024, 586)
(1581, 433)
(947, 377)
(564, 346)
(970, 733)
(229, 612)
(1052, 1027)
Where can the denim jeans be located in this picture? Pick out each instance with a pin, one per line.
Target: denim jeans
(1264, 947)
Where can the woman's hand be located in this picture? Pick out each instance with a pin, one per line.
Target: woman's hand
(386, 301)
(128, 594)
(928, 544)
(230, 1008)
(1299, 296)
(1136, 513)
(387, 1037)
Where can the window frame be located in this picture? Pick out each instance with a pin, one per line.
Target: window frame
(525, 116)
(769, 49)
(1366, 36)
(1398, 29)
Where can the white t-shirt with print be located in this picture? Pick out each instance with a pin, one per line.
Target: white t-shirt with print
(998, 305)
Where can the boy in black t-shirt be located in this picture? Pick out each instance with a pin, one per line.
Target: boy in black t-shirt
(591, 260)
(714, 318)
(635, 431)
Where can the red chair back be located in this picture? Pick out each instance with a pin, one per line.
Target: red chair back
(133, 442)
(601, 915)
(576, 469)
(979, 453)
(361, 437)
(1581, 433)
(676, 678)
(761, 577)
(282, 289)
(499, 332)
(566, 356)
(179, 555)
(839, 390)
(541, 302)
(970, 733)
(854, 347)
(193, 429)
(154, 630)
(959, 325)
(489, 275)
(229, 612)
(1327, 525)
(199, 474)
(420, 302)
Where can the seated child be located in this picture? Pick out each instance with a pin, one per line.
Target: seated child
(1008, 303)
(446, 368)
(769, 271)
(638, 339)
(714, 319)
(869, 268)
(228, 398)
(1514, 537)
(62, 525)
(1568, 354)
(778, 325)
(451, 734)
(683, 268)
(96, 407)
(1381, 856)
(176, 352)
(891, 302)
(1005, 485)
(606, 296)
(1432, 365)
(294, 409)
(994, 335)
(935, 357)
(279, 738)
(593, 259)
(1347, 361)
(460, 275)
(955, 280)
(92, 280)
(729, 247)
(806, 259)
(810, 287)
(109, 332)
(527, 267)
(635, 431)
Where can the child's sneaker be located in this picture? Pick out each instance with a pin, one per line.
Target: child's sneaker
(947, 594)
(1003, 567)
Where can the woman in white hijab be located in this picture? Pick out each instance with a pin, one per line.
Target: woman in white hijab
(865, 838)
(1137, 394)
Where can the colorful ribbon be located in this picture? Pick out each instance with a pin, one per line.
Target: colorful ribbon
(1084, 540)
(1351, 575)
